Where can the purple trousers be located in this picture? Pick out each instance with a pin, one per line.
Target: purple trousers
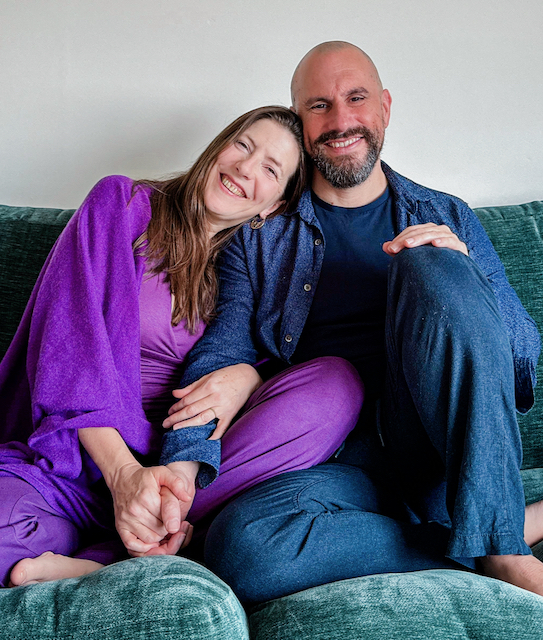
(296, 420)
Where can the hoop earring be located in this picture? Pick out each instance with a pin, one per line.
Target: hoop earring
(257, 222)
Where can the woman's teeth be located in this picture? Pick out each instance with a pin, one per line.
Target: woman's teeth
(232, 187)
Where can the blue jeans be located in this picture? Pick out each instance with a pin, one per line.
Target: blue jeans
(433, 482)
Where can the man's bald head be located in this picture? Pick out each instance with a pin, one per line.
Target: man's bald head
(317, 54)
(338, 94)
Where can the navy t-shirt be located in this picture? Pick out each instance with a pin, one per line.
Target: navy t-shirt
(347, 315)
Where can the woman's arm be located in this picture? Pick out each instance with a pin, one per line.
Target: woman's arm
(150, 503)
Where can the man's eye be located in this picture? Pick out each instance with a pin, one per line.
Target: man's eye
(319, 106)
(357, 98)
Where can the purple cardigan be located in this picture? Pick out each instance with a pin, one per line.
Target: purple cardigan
(75, 359)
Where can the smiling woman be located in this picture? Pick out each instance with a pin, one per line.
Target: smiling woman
(250, 175)
(125, 293)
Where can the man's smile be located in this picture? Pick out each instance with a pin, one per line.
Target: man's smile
(337, 144)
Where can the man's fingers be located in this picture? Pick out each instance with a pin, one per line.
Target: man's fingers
(188, 537)
(180, 412)
(418, 235)
(221, 428)
(181, 393)
(195, 421)
(169, 480)
(171, 512)
(135, 544)
(451, 243)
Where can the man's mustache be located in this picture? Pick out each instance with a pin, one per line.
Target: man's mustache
(338, 135)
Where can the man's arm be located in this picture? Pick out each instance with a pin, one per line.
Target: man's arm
(523, 334)
(226, 342)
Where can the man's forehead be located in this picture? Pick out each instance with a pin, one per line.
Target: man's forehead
(334, 72)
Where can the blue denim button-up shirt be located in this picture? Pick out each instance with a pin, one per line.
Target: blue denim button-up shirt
(265, 298)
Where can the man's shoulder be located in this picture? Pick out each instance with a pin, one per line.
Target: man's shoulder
(406, 189)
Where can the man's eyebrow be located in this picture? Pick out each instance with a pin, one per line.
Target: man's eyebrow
(313, 99)
(351, 92)
(357, 90)
(270, 158)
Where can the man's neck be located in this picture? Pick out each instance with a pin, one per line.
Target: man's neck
(371, 189)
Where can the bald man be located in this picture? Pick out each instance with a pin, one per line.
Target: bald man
(401, 281)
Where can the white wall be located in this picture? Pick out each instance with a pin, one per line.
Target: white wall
(138, 87)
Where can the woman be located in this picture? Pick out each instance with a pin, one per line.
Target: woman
(123, 296)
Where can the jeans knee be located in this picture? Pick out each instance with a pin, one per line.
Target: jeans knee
(443, 285)
(235, 552)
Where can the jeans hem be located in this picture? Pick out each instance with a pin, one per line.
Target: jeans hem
(463, 548)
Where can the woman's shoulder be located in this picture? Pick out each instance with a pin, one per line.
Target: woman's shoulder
(113, 186)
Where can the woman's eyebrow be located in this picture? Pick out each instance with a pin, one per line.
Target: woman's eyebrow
(270, 158)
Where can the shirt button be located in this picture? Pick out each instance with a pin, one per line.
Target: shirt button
(288, 338)
(307, 287)
(318, 241)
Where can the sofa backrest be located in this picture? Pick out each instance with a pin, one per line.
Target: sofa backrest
(27, 235)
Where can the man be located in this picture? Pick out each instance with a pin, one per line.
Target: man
(403, 282)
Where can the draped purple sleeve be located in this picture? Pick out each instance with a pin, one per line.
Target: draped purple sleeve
(75, 359)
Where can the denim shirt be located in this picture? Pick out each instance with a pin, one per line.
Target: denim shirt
(267, 280)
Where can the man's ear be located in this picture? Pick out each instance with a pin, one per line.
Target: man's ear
(264, 214)
(386, 101)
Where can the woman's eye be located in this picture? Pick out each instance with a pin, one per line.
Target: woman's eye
(242, 144)
(272, 171)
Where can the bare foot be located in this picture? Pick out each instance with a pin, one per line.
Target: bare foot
(522, 571)
(50, 566)
(533, 523)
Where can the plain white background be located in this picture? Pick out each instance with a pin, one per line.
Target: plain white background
(139, 87)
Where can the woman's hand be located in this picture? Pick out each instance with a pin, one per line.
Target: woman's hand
(151, 505)
(220, 394)
(429, 233)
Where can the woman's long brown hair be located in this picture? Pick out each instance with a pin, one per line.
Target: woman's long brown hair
(176, 241)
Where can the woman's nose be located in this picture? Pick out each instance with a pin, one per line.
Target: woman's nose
(246, 167)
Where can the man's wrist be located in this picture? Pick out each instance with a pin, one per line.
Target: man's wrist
(186, 468)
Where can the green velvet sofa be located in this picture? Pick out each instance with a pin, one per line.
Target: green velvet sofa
(171, 597)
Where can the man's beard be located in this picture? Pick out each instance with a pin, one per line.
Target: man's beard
(346, 172)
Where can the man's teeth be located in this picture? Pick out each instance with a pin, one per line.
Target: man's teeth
(232, 187)
(347, 143)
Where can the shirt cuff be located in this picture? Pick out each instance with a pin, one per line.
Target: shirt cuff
(192, 444)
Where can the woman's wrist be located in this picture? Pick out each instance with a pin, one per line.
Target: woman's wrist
(108, 451)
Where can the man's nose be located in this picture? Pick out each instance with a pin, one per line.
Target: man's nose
(339, 117)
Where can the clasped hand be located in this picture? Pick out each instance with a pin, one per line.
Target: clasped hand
(151, 504)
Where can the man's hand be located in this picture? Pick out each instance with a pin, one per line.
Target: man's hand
(150, 505)
(220, 394)
(429, 233)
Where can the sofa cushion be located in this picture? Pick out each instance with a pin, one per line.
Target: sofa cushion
(440, 604)
(26, 237)
(516, 233)
(162, 597)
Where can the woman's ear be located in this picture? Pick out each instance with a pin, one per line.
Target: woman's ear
(264, 214)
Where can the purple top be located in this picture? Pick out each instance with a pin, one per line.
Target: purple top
(75, 359)
(163, 350)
